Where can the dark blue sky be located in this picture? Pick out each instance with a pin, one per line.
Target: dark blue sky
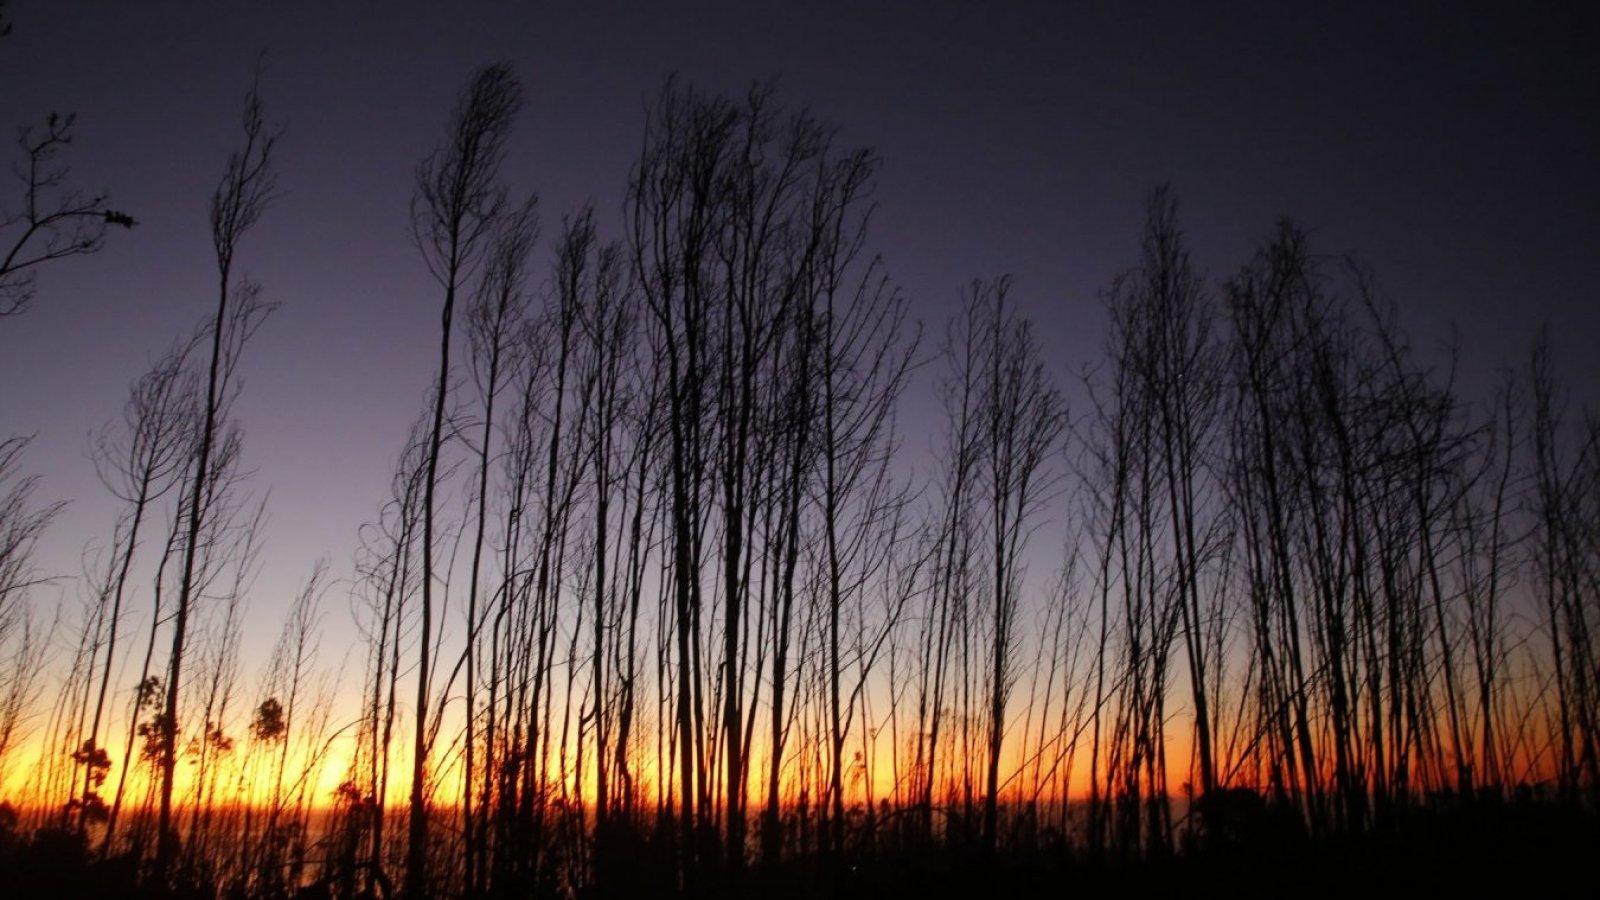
(1452, 148)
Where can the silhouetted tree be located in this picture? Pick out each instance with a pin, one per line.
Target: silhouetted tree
(1021, 420)
(495, 320)
(21, 524)
(139, 464)
(242, 196)
(49, 220)
(1567, 485)
(387, 567)
(457, 207)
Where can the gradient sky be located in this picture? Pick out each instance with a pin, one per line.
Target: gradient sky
(1454, 149)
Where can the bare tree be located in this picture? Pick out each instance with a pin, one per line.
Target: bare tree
(454, 213)
(779, 357)
(139, 466)
(495, 320)
(49, 220)
(672, 226)
(20, 528)
(387, 569)
(1567, 472)
(1022, 419)
(242, 196)
(21, 524)
(598, 279)
(864, 352)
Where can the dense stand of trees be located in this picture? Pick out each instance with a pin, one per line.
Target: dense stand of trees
(667, 594)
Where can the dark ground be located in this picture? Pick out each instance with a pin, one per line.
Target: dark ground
(1523, 847)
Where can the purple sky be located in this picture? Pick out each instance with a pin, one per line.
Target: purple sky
(1453, 150)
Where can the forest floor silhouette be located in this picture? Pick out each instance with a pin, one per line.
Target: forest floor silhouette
(1530, 843)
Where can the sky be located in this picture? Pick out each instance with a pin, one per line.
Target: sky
(1450, 147)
